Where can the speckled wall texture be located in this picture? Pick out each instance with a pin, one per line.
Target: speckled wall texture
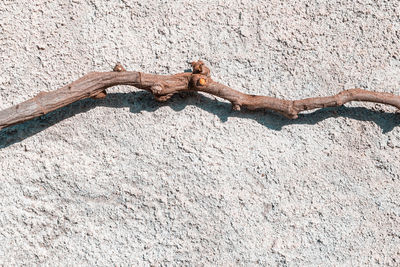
(127, 180)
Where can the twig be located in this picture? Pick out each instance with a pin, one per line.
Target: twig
(164, 86)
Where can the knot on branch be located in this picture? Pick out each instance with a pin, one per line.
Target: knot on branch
(159, 94)
(200, 68)
(163, 98)
(198, 81)
(235, 106)
(119, 68)
(100, 95)
(201, 81)
(291, 112)
(156, 89)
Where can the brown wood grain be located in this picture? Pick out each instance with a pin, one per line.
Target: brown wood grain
(164, 86)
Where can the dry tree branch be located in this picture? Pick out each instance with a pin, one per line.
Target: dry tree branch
(164, 86)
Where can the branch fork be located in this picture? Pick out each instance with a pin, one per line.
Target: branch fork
(94, 85)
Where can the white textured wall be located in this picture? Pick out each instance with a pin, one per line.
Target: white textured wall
(128, 180)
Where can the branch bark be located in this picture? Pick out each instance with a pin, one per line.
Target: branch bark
(94, 85)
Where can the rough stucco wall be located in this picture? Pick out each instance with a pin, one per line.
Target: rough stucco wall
(128, 180)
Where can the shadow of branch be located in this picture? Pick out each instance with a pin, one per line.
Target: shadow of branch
(143, 101)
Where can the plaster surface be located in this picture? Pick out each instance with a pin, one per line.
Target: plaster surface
(191, 182)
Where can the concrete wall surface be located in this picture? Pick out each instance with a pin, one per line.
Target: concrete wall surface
(128, 180)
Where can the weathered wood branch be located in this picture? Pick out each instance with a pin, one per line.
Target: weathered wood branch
(94, 85)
